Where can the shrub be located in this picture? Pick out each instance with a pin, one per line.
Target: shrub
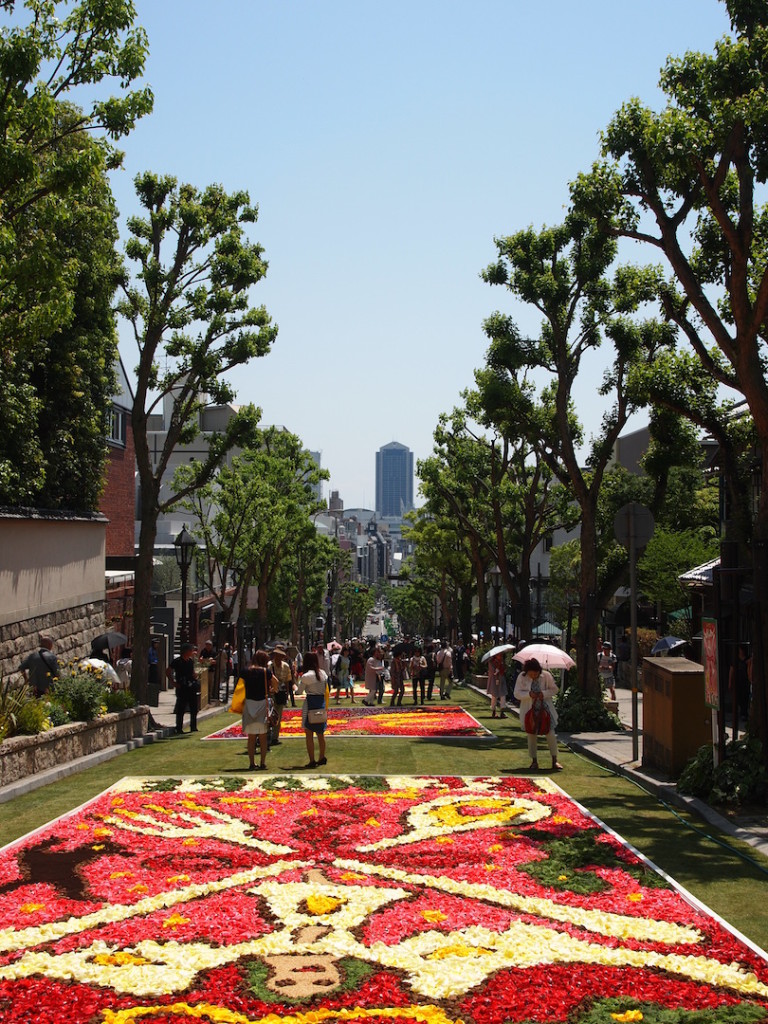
(478, 666)
(57, 714)
(120, 700)
(578, 713)
(740, 778)
(32, 718)
(13, 698)
(82, 694)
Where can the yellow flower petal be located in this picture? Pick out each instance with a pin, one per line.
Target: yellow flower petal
(434, 915)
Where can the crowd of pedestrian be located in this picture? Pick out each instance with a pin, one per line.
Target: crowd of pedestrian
(415, 671)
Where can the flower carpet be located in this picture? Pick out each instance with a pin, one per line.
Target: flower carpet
(444, 721)
(313, 899)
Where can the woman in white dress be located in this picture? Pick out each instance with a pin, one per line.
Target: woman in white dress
(535, 689)
(313, 683)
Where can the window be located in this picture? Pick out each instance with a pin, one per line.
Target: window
(116, 426)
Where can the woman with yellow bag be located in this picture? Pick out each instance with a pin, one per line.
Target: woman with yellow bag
(250, 697)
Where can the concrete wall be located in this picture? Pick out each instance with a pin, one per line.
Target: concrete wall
(51, 580)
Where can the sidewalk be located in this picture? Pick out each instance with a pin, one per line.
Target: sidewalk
(613, 750)
(164, 717)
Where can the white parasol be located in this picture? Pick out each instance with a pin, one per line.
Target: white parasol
(501, 649)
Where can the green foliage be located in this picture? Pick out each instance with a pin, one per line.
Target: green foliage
(188, 305)
(119, 700)
(355, 602)
(564, 575)
(166, 574)
(57, 715)
(353, 973)
(688, 183)
(605, 1011)
(668, 554)
(58, 266)
(82, 694)
(556, 874)
(13, 698)
(256, 517)
(566, 273)
(32, 718)
(698, 775)
(741, 777)
(577, 712)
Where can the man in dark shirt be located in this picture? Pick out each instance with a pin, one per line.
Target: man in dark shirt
(181, 674)
(40, 667)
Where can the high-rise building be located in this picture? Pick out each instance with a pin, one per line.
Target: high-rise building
(394, 480)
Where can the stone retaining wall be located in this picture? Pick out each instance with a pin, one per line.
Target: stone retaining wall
(72, 630)
(22, 756)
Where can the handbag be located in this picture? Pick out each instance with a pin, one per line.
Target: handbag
(238, 698)
(538, 720)
(316, 709)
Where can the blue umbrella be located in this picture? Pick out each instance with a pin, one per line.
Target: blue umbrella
(667, 643)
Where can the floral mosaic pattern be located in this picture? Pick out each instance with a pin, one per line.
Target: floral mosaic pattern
(443, 720)
(307, 899)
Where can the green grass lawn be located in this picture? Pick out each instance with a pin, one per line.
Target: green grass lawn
(726, 875)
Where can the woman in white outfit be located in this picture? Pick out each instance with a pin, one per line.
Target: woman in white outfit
(313, 684)
(534, 685)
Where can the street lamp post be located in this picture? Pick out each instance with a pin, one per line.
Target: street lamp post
(494, 577)
(185, 545)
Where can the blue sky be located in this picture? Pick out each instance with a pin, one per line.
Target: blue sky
(386, 145)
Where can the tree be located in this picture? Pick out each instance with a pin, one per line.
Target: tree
(562, 272)
(355, 602)
(253, 515)
(53, 425)
(58, 268)
(192, 322)
(295, 597)
(63, 51)
(669, 554)
(499, 496)
(687, 182)
(283, 475)
(441, 566)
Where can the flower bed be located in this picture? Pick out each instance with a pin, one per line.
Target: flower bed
(21, 756)
(332, 898)
(441, 720)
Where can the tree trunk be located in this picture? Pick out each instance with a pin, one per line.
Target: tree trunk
(142, 604)
(759, 710)
(465, 614)
(587, 634)
(262, 619)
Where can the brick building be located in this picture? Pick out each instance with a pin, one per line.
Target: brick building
(118, 505)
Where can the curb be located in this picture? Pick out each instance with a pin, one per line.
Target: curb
(32, 782)
(666, 792)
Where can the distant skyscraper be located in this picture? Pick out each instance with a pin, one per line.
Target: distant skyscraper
(394, 480)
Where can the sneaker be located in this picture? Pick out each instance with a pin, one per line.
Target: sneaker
(323, 760)
(556, 766)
